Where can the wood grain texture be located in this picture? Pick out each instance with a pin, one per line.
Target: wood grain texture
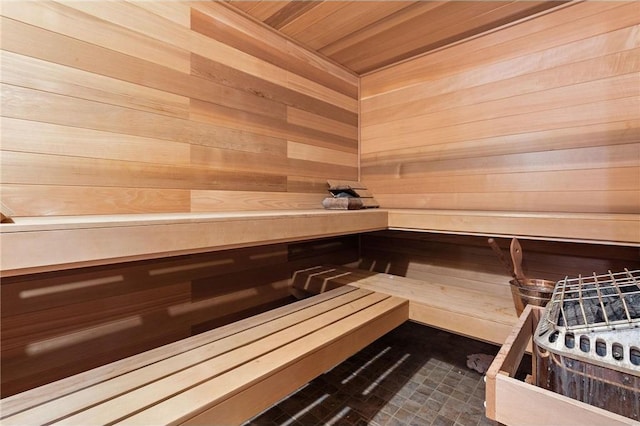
(202, 201)
(219, 22)
(433, 300)
(570, 25)
(616, 228)
(62, 323)
(367, 35)
(53, 200)
(135, 237)
(307, 338)
(548, 105)
(126, 107)
(66, 20)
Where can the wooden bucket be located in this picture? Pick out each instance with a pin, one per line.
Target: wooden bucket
(535, 292)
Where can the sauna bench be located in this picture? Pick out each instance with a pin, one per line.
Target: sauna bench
(594, 228)
(41, 244)
(53, 243)
(223, 376)
(459, 306)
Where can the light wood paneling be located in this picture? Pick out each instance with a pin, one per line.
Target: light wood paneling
(367, 35)
(541, 116)
(54, 200)
(126, 107)
(572, 24)
(202, 201)
(98, 118)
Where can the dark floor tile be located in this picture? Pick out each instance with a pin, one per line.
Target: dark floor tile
(427, 414)
(408, 389)
(419, 421)
(438, 374)
(466, 387)
(414, 375)
(442, 421)
(451, 409)
(480, 391)
(476, 402)
(439, 396)
(452, 379)
(412, 406)
(445, 389)
(469, 419)
(425, 389)
(390, 408)
(460, 396)
(381, 418)
(484, 421)
(419, 397)
(430, 382)
(404, 415)
(434, 404)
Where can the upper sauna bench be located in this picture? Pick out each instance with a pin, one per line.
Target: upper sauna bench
(592, 228)
(40, 244)
(50, 243)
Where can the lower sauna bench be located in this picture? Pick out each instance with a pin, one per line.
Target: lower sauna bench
(224, 376)
(467, 311)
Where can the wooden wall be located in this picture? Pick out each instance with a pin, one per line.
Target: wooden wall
(57, 324)
(144, 107)
(165, 106)
(541, 116)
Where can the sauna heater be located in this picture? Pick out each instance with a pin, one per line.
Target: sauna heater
(587, 342)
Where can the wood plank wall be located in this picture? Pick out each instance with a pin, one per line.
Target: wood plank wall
(540, 116)
(57, 324)
(144, 107)
(165, 106)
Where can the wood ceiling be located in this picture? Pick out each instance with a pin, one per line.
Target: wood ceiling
(367, 35)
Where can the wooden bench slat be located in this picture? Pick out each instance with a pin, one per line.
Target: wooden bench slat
(389, 311)
(143, 394)
(438, 294)
(462, 310)
(219, 347)
(14, 404)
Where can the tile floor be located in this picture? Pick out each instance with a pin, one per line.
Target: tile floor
(415, 375)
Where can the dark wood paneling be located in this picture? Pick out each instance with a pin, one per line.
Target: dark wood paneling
(59, 323)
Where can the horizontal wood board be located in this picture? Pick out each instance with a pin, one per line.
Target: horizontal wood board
(433, 301)
(541, 116)
(367, 35)
(140, 107)
(41, 245)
